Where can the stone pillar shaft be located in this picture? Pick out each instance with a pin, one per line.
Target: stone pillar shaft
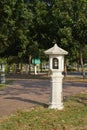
(56, 92)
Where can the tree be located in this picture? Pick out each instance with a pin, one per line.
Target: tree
(29, 27)
(15, 28)
(5, 24)
(79, 31)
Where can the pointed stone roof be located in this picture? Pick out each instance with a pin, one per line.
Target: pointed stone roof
(56, 50)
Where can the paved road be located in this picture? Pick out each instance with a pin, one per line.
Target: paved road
(26, 93)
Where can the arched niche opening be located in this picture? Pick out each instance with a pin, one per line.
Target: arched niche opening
(55, 63)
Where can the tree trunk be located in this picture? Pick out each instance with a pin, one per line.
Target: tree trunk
(29, 64)
(8, 66)
(41, 66)
(65, 68)
(81, 61)
(78, 65)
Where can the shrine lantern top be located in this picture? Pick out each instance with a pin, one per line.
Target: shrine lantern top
(56, 58)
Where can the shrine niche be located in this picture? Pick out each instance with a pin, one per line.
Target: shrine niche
(55, 63)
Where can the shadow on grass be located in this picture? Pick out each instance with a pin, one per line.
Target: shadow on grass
(82, 100)
(29, 101)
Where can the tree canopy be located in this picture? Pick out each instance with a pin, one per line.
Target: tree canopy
(29, 27)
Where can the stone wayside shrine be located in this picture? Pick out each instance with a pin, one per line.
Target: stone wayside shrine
(56, 64)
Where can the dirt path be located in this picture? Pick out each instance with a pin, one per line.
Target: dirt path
(26, 93)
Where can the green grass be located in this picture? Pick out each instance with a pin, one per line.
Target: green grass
(72, 117)
(3, 86)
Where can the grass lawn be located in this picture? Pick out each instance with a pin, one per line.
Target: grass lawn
(72, 117)
(3, 86)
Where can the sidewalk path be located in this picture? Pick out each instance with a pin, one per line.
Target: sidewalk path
(26, 93)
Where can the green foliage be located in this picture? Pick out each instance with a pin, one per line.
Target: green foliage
(27, 25)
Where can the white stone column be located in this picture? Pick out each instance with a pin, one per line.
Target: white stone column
(3, 68)
(56, 92)
(35, 69)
